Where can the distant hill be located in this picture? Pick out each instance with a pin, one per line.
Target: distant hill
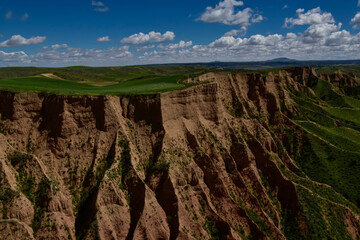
(282, 60)
(274, 63)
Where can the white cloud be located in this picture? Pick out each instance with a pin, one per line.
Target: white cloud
(141, 38)
(236, 32)
(327, 42)
(103, 39)
(225, 41)
(103, 9)
(9, 15)
(291, 36)
(285, 6)
(25, 17)
(313, 16)
(225, 13)
(356, 19)
(16, 58)
(257, 18)
(318, 32)
(321, 40)
(59, 46)
(170, 52)
(339, 38)
(144, 48)
(18, 40)
(181, 44)
(254, 40)
(75, 56)
(99, 6)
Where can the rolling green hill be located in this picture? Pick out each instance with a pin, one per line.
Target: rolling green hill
(97, 80)
(64, 87)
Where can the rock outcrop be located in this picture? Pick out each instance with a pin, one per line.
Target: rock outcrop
(200, 163)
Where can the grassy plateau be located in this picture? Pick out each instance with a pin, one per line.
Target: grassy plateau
(97, 81)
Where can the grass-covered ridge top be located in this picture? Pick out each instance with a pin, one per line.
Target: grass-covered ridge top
(98, 80)
(129, 80)
(61, 87)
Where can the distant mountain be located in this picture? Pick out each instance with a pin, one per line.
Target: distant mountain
(274, 63)
(282, 60)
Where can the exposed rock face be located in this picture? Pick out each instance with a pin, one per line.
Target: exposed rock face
(200, 163)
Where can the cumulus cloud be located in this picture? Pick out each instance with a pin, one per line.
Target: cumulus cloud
(103, 39)
(144, 48)
(9, 15)
(257, 18)
(225, 13)
(290, 36)
(25, 17)
(318, 41)
(99, 6)
(226, 41)
(355, 20)
(18, 40)
(285, 6)
(254, 40)
(16, 58)
(74, 56)
(181, 44)
(236, 32)
(169, 52)
(59, 46)
(316, 33)
(313, 16)
(339, 38)
(141, 38)
(327, 40)
(322, 39)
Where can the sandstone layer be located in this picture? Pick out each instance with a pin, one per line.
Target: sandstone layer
(200, 163)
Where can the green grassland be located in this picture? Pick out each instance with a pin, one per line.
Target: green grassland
(86, 80)
(354, 69)
(103, 74)
(63, 87)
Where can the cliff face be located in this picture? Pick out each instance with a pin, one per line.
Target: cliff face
(207, 162)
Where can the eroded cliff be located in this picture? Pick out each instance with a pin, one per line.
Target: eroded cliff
(214, 161)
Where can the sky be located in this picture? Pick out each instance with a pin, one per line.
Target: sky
(122, 32)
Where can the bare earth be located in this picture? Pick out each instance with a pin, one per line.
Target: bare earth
(213, 177)
(50, 75)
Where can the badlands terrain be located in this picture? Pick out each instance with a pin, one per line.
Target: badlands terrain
(226, 155)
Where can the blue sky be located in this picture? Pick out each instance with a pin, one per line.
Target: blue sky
(117, 32)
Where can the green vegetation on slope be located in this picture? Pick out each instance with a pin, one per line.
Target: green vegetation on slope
(330, 149)
(353, 69)
(326, 147)
(47, 85)
(103, 74)
(324, 218)
(98, 80)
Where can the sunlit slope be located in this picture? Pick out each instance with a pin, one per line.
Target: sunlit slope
(64, 87)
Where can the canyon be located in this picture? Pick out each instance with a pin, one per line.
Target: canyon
(235, 156)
